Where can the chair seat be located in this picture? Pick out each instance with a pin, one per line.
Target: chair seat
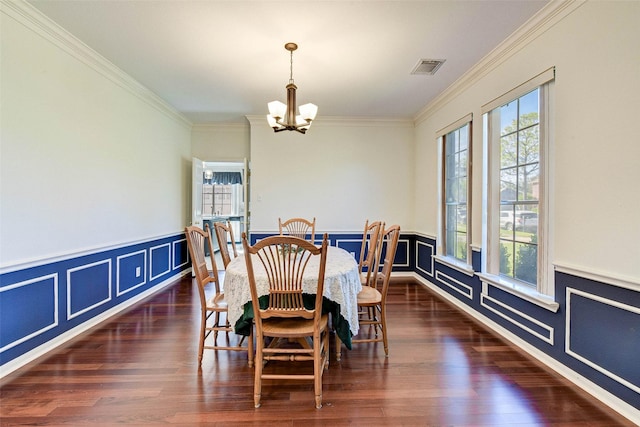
(217, 303)
(369, 296)
(294, 327)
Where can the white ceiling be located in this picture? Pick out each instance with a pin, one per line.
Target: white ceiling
(220, 60)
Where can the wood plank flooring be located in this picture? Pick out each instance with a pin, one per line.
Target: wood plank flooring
(443, 370)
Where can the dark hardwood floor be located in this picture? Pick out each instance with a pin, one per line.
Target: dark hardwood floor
(444, 369)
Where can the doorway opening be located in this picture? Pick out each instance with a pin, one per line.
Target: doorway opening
(220, 193)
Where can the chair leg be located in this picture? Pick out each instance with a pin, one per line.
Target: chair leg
(257, 382)
(203, 326)
(325, 349)
(216, 324)
(338, 347)
(383, 320)
(317, 370)
(250, 347)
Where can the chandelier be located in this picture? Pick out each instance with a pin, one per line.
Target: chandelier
(283, 117)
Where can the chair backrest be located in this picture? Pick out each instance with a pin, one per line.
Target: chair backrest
(285, 259)
(298, 227)
(196, 238)
(224, 233)
(390, 237)
(370, 251)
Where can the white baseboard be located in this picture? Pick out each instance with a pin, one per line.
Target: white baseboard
(593, 389)
(63, 338)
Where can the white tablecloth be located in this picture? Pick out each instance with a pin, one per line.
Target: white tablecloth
(341, 284)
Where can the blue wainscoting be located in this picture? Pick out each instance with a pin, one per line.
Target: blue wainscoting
(595, 332)
(43, 301)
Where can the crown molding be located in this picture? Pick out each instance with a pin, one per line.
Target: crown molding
(32, 18)
(547, 17)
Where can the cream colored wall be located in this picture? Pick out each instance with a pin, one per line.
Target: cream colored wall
(88, 158)
(341, 172)
(220, 142)
(595, 155)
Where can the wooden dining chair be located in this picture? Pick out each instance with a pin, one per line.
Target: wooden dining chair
(298, 227)
(224, 234)
(370, 252)
(376, 299)
(283, 314)
(211, 306)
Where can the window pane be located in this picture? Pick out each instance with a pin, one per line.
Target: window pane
(450, 146)
(506, 257)
(508, 184)
(529, 183)
(508, 117)
(529, 227)
(461, 252)
(529, 109)
(450, 166)
(508, 150)
(463, 137)
(462, 190)
(462, 217)
(455, 190)
(526, 266)
(451, 217)
(462, 164)
(451, 244)
(528, 145)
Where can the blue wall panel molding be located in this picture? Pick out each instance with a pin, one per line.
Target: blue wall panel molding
(39, 296)
(131, 271)
(88, 286)
(402, 258)
(159, 260)
(425, 250)
(523, 321)
(41, 302)
(349, 244)
(180, 254)
(454, 285)
(604, 334)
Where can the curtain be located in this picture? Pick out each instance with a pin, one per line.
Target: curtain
(223, 178)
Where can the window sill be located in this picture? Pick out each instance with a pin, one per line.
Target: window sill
(521, 291)
(455, 264)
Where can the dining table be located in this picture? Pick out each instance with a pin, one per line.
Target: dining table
(341, 288)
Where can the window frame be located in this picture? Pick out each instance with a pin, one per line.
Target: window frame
(464, 266)
(542, 293)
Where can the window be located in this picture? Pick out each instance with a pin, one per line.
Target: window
(222, 199)
(519, 141)
(455, 169)
(217, 199)
(517, 184)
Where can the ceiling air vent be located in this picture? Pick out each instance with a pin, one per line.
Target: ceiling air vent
(427, 66)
